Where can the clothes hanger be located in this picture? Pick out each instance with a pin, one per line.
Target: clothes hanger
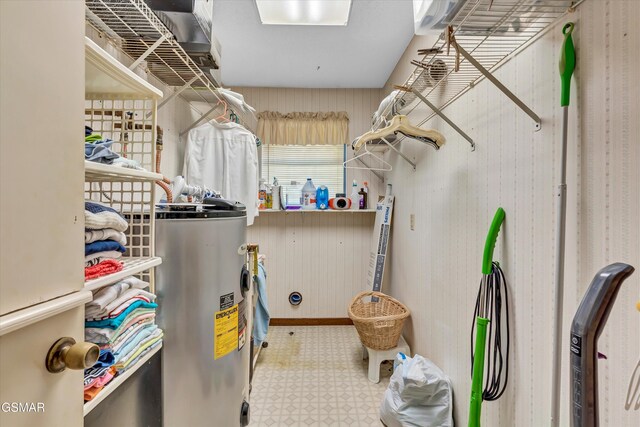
(223, 117)
(387, 167)
(401, 124)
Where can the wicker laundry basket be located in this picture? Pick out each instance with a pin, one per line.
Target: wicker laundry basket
(379, 324)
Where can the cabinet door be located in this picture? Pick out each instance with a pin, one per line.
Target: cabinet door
(29, 394)
(41, 160)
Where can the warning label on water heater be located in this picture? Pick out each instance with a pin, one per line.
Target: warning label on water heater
(226, 332)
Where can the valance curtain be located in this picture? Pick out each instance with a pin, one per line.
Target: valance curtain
(303, 128)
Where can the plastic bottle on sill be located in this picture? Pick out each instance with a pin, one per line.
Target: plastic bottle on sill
(366, 190)
(308, 199)
(262, 195)
(355, 196)
(275, 195)
(362, 200)
(269, 196)
(322, 197)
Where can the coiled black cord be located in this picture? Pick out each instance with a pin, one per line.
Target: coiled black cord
(496, 355)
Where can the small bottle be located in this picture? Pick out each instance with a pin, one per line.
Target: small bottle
(276, 202)
(366, 199)
(269, 197)
(355, 197)
(262, 195)
(362, 201)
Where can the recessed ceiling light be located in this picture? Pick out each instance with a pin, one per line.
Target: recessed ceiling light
(304, 12)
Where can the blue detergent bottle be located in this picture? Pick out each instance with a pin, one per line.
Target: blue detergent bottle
(322, 197)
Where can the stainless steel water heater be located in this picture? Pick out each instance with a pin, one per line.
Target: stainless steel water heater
(203, 296)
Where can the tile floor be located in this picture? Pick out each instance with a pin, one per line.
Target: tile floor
(315, 377)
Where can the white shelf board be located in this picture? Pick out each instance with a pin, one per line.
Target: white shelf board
(131, 266)
(117, 381)
(326, 211)
(94, 171)
(106, 75)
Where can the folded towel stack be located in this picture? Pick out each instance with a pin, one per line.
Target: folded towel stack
(104, 240)
(121, 321)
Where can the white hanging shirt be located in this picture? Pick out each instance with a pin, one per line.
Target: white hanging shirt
(224, 157)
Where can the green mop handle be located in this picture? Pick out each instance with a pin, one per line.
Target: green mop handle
(567, 63)
(475, 405)
(490, 243)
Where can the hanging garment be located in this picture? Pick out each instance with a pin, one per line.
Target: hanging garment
(224, 156)
(261, 319)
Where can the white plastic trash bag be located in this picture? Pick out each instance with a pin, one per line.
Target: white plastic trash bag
(419, 394)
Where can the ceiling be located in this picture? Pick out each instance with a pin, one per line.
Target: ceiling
(360, 55)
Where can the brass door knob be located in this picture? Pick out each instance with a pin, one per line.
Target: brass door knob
(66, 353)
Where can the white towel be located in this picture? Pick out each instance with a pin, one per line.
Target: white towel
(94, 313)
(103, 296)
(91, 236)
(102, 220)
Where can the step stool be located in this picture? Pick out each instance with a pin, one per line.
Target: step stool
(376, 357)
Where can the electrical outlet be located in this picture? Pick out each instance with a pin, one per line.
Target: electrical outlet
(412, 221)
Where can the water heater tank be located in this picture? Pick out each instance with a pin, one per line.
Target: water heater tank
(202, 287)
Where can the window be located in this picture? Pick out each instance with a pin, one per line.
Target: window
(296, 163)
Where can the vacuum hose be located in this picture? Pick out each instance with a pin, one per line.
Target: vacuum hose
(489, 306)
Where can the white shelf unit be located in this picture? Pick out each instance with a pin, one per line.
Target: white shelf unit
(117, 381)
(97, 172)
(121, 106)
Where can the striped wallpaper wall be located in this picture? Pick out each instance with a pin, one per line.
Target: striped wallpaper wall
(324, 256)
(454, 193)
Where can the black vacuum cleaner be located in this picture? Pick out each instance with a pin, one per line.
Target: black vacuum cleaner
(587, 325)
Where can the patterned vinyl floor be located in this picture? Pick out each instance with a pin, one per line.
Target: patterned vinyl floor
(315, 377)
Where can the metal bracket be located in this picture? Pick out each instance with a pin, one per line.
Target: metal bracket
(181, 89)
(148, 52)
(444, 117)
(177, 92)
(380, 177)
(202, 118)
(497, 83)
(399, 153)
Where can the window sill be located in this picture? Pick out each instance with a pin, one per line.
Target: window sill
(323, 212)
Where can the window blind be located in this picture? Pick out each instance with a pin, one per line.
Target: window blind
(296, 163)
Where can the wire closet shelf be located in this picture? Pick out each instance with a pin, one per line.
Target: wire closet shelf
(141, 35)
(490, 31)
